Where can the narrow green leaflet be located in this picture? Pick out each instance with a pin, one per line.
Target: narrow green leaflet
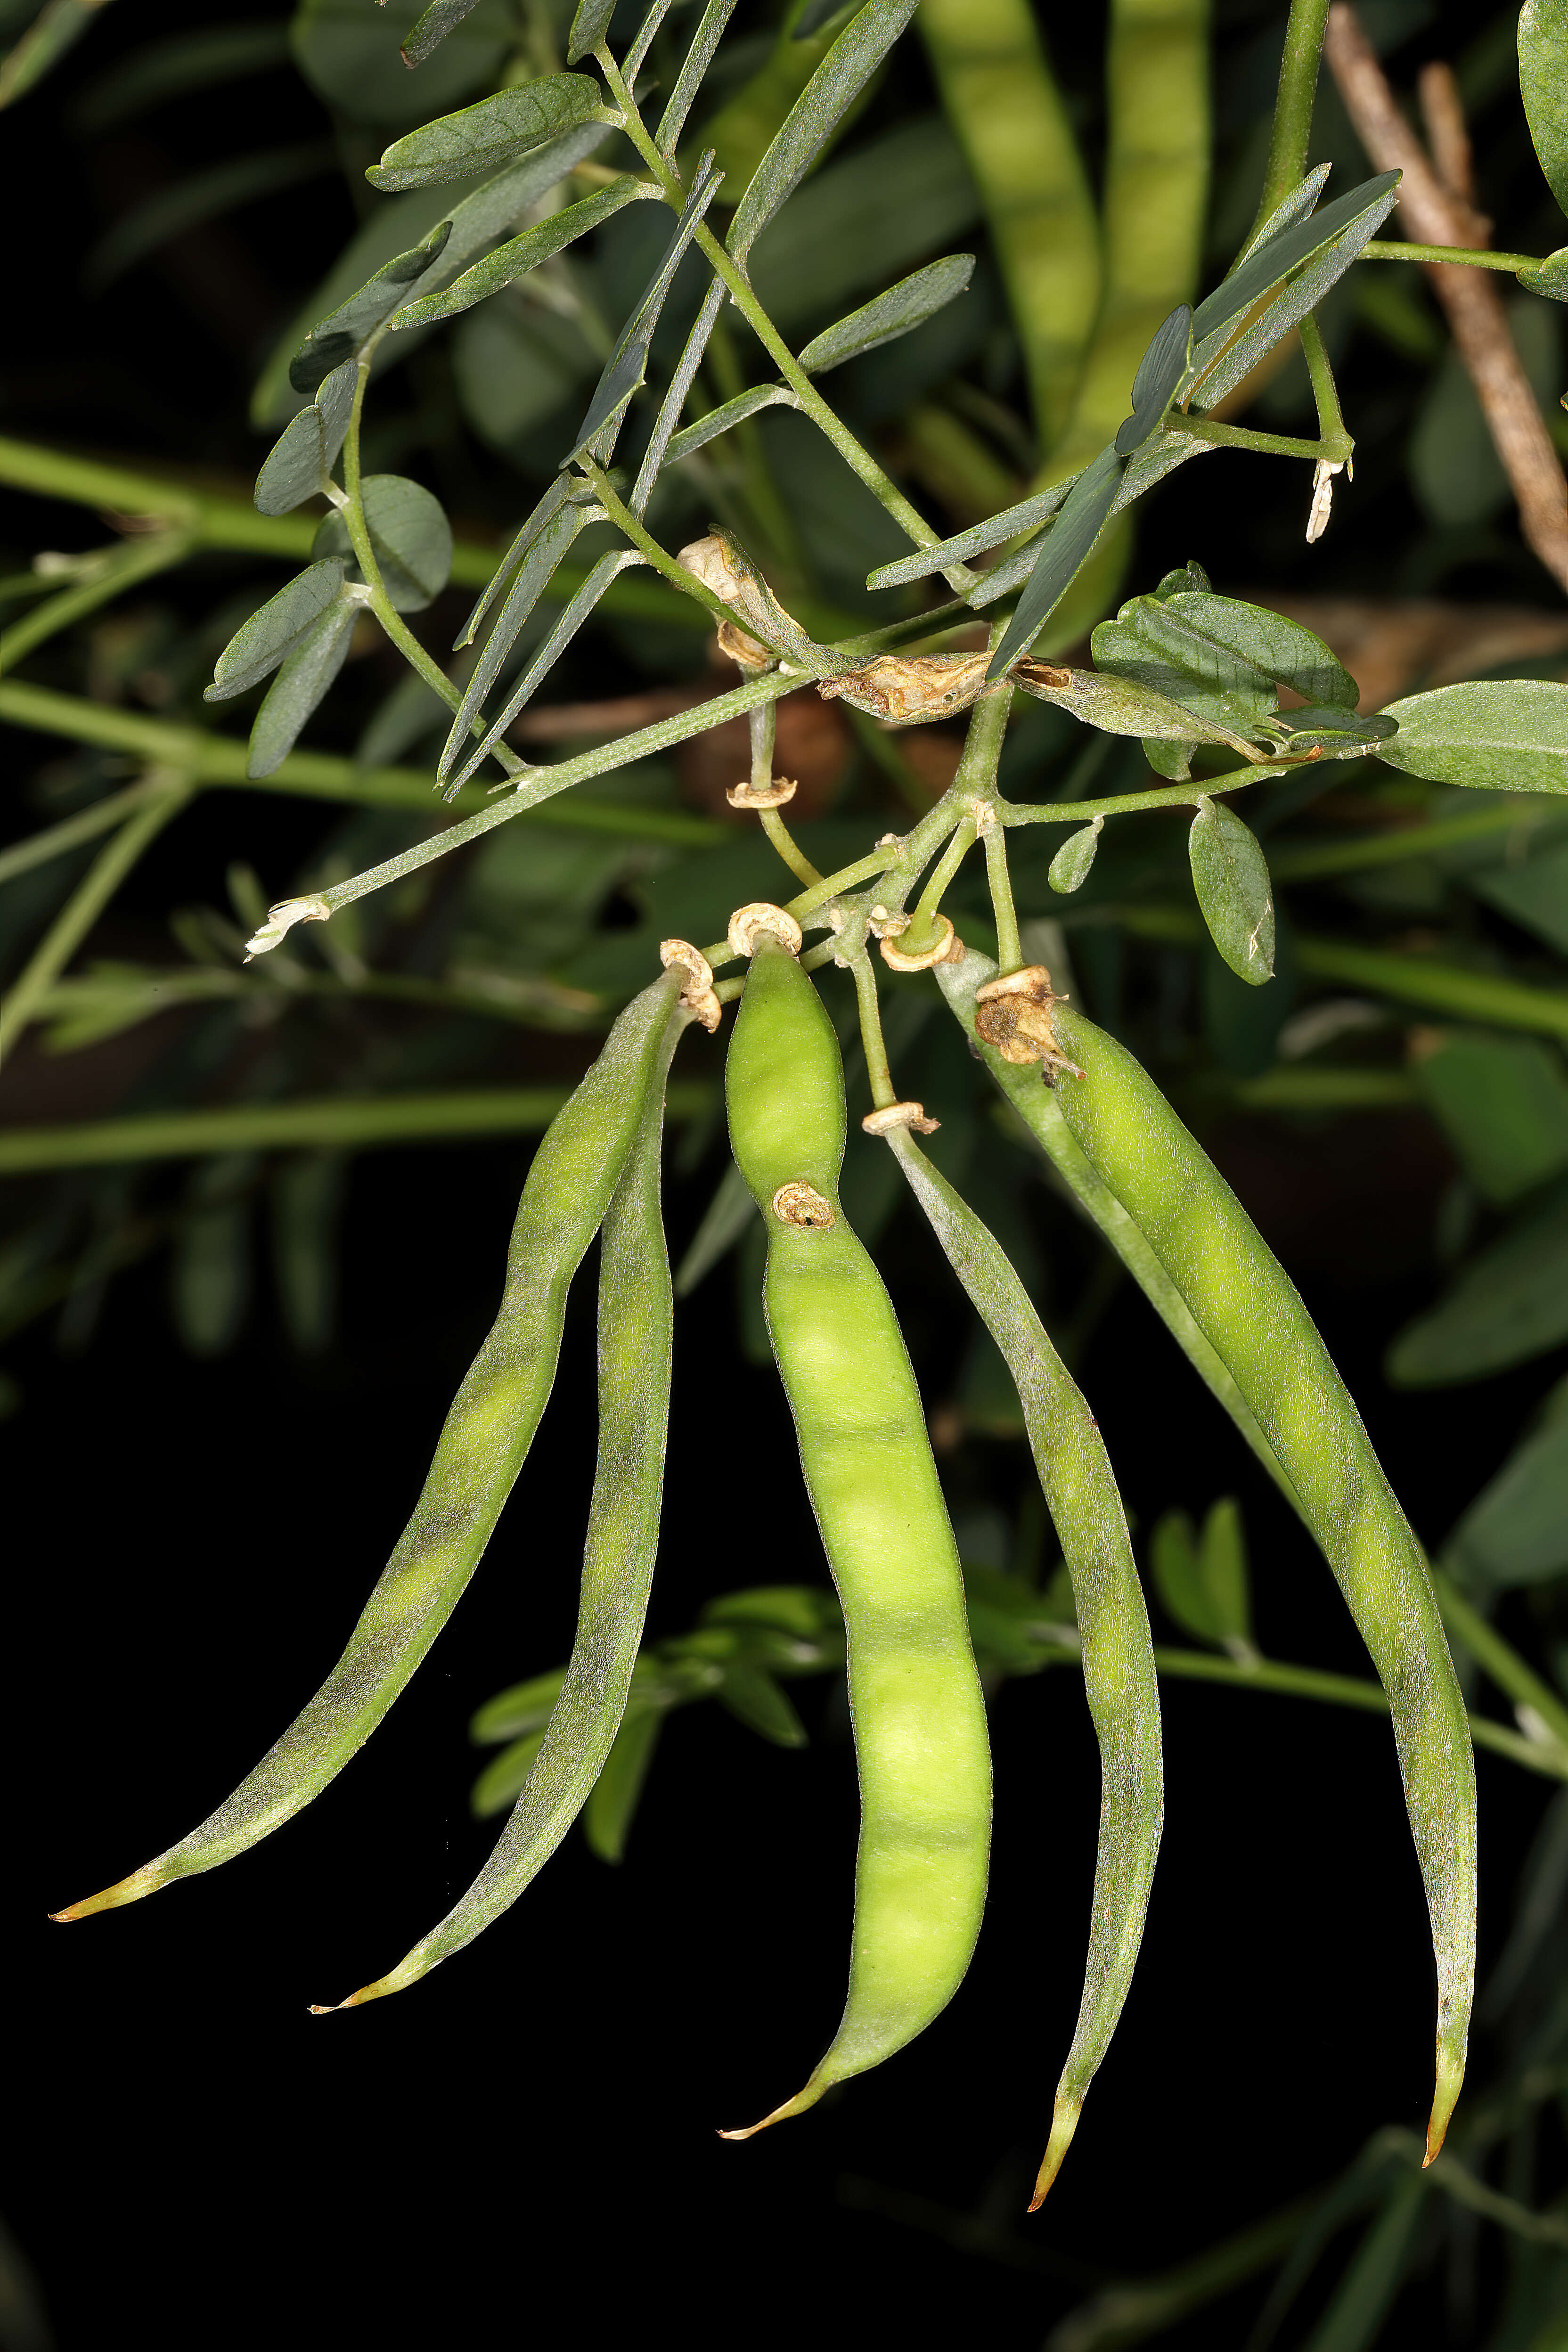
(1502, 734)
(1224, 363)
(632, 63)
(676, 394)
(1066, 551)
(627, 364)
(1160, 372)
(1270, 262)
(1502, 1103)
(1202, 1581)
(1516, 1530)
(613, 1802)
(607, 568)
(300, 685)
(977, 540)
(589, 26)
(1231, 879)
(409, 533)
(1124, 706)
(731, 413)
(1071, 865)
(271, 635)
(1287, 212)
(750, 1694)
(308, 448)
(526, 1706)
(338, 336)
(904, 307)
(816, 115)
(495, 132)
(539, 565)
(433, 28)
(688, 81)
(559, 493)
(1510, 1303)
(1543, 86)
(521, 254)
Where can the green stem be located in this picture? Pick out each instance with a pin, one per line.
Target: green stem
(1383, 248)
(998, 93)
(865, 870)
(922, 931)
(140, 558)
(1268, 445)
(1331, 431)
(788, 848)
(1287, 166)
(883, 1091)
(72, 831)
(1009, 953)
(1499, 1658)
(85, 905)
(340, 1121)
(1126, 804)
(641, 538)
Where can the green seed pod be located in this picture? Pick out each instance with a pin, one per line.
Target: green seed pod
(1113, 1624)
(636, 1312)
(1248, 1310)
(914, 1694)
(481, 1451)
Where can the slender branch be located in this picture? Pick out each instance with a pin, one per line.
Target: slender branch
(1268, 445)
(38, 848)
(922, 922)
(1127, 804)
(883, 1091)
(85, 905)
(345, 1121)
(1287, 166)
(1009, 953)
(1476, 318)
(1387, 248)
(137, 559)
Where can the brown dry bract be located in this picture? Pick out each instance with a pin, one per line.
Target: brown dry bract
(1014, 1016)
(904, 689)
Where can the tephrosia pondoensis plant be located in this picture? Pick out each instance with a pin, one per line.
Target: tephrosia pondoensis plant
(1222, 697)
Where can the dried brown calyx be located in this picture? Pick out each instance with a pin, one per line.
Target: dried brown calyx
(948, 948)
(761, 914)
(761, 796)
(1013, 1014)
(897, 1115)
(697, 993)
(802, 1204)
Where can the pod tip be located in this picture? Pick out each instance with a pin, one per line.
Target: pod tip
(1064, 2123)
(1445, 2097)
(145, 1881)
(809, 2097)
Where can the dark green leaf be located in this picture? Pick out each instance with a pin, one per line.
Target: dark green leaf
(307, 1210)
(1220, 656)
(627, 364)
(299, 685)
(559, 493)
(1502, 734)
(589, 26)
(433, 26)
(689, 80)
(816, 115)
(1160, 370)
(271, 634)
(1202, 1580)
(813, 17)
(902, 307)
(409, 533)
(338, 336)
(499, 1785)
(1516, 1530)
(1220, 364)
(309, 447)
(1069, 867)
(808, 1613)
(1543, 86)
(538, 567)
(496, 132)
(351, 56)
(1124, 706)
(1337, 732)
(726, 1218)
(1063, 556)
(720, 420)
(409, 713)
(1509, 1304)
(632, 63)
(607, 1816)
(861, 219)
(1274, 259)
(1231, 879)
(560, 637)
(1503, 1104)
(977, 540)
(1287, 212)
(1174, 1566)
(526, 1706)
(521, 254)
(755, 1699)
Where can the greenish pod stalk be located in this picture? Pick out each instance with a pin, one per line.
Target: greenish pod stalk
(1040, 1109)
(914, 1693)
(1249, 1310)
(1113, 1624)
(636, 1324)
(482, 1448)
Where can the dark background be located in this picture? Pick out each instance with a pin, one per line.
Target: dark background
(189, 2156)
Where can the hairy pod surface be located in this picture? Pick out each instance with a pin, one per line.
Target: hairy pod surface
(1249, 1310)
(1113, 1624)
(636, 1322)
(480, 1450)
(914, 1693)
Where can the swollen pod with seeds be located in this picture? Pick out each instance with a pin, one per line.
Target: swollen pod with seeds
(914, 1694)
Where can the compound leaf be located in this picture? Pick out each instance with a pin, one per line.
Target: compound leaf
(607, 1816)
(903, 307)
(1066, 551)
(299, 685)
(409, 533)
(496, 132)
(521, 254)
(627, 364)
(1231, 879)
(1272, 258)
(308, 448)
(274, 631)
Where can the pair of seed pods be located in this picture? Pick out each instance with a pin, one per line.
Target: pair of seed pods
(918, 1708)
